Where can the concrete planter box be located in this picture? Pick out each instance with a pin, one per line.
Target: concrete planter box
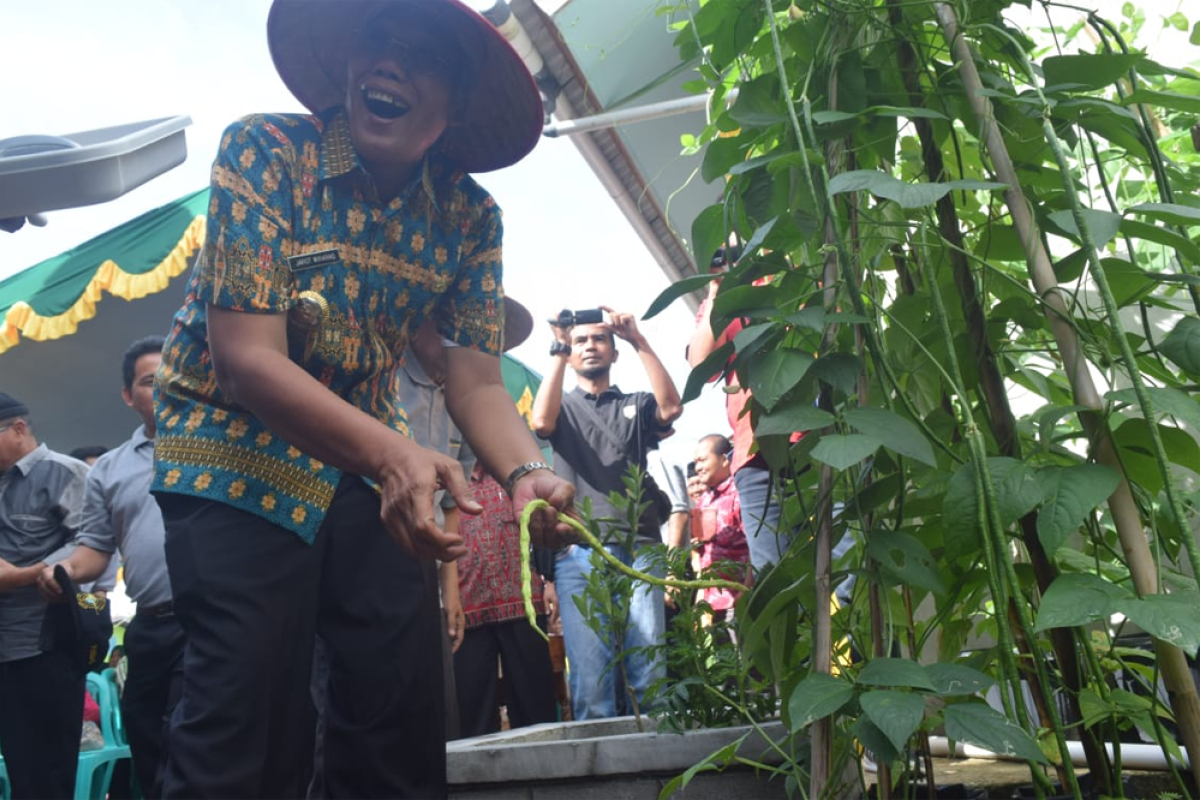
(604, 759)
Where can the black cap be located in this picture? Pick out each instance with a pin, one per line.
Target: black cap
(11, 407)
(79, 627)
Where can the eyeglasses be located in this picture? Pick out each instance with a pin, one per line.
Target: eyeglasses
(6, 427)
(419, 59)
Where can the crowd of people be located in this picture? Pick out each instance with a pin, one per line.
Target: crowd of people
(316, 514)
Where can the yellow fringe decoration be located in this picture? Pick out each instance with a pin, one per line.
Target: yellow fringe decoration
(23, 320)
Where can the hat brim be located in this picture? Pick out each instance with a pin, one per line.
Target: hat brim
(518, 323)
(310, 42)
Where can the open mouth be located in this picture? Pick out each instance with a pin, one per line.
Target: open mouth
(383, 104)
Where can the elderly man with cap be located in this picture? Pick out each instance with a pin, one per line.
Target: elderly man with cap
(290, 491)
(41, 690)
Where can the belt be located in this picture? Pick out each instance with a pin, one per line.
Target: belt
(166, 609)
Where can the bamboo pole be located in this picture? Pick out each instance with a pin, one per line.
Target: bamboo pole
(1176, 675)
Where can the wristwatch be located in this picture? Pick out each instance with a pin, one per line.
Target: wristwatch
(558, 348)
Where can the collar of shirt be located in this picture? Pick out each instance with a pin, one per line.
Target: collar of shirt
(339, 158)
(613, 390)
(140, 439)
(416, 373)
(721, 488)
(27, 462)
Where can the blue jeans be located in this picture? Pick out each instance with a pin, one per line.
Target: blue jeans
(596, 690)
(760, 515)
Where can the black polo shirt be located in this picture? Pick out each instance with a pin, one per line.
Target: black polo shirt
(595, 440)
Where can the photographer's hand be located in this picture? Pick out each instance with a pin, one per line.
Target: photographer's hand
(624, 326)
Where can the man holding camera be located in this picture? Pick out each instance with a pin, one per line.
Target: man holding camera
(597, 431)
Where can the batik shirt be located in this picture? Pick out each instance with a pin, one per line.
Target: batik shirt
(295, 226)
(728, 542)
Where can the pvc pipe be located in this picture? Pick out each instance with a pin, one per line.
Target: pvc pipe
(616, 190)
(1133, 756)
(609, 119)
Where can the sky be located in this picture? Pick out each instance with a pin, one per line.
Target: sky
(75, 65)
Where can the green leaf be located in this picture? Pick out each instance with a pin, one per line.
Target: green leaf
(1132, 438)
(874, 741)
(676, 290)
(1195, 37)
(957, 679)
(703, 372)
(1171, 100)
(758, 105)
(844, 451)
(1182, 345)
(840, 370)
(708, 233)
(1076, 599)
(905, 558)
(1014, 485)
(1165, 400)
(895, 672)
(1071, 493)
(1174, 618)
(897, 433)
(1164, 236)
(1087, 70)
(982, 726)
(906, 195)
(777, 373)
(1103, 225)
(789, 417)
(896, 714)
(816, 697)
(1172, 213)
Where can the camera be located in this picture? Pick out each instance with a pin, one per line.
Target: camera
(569, 319)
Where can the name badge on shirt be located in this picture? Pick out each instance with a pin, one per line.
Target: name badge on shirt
(321, 258)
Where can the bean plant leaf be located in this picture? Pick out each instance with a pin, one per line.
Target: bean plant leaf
(1075, 599)
(789, 417)
(1070, 494)
(703, 372)
(1171, 213)
(839, 370)
(1172, 100)
(896, 714)
(897, 433)
(708, 233)
(957, 679)
(842, 451)
(895, 672)
(906, 559)
(674, 291)
(1014, 485)
(777, 373)
(816, 697)
(983, 726)
(1088, 70)
(1102, 225)
(1173, 618)
(1165, 400)
(905, 194)
(1182, 345)
(874, 741)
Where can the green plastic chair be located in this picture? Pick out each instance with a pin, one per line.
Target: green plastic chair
(94, 771)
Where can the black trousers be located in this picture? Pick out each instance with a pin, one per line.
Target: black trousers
(251, 597)
(528, 677)
(41, 718)
(154, 647)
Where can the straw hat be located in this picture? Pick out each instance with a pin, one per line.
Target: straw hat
(310, 41)
(518, 323)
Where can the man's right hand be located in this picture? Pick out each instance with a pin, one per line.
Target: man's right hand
(48, 585)
(407, 486)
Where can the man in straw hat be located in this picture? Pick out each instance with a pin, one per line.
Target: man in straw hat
(289, 490)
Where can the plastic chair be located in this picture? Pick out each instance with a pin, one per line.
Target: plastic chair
(5, 788)
(95, 768)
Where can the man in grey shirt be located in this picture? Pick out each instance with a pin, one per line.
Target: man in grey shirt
(119, 513)
(41, 693)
